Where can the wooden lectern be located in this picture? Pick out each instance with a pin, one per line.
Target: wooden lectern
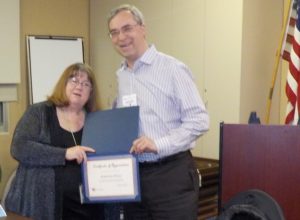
(263, 157)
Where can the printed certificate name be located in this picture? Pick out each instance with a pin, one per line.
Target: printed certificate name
(111, 178)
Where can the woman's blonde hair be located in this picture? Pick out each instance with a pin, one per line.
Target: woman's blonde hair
(59, 97)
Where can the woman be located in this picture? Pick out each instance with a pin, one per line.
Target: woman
(46, 143)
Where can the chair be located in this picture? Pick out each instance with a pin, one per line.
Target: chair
(252, 204)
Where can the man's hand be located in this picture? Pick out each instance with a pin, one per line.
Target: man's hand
(143, 144)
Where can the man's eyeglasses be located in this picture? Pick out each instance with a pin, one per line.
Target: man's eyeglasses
(75, 82)
(127, 29)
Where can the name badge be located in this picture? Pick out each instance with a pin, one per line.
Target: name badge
(129, 100)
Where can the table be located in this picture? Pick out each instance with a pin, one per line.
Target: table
(208, 192)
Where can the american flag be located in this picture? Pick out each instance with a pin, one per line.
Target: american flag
(292, 54)
(289, 34)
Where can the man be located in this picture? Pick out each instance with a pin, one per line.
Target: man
(172, 117)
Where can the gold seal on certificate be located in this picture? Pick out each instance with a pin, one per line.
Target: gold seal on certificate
(110, 178)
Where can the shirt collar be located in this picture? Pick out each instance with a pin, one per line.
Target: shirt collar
(146, 58)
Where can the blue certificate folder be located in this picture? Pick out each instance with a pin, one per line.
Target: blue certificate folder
(110, 133)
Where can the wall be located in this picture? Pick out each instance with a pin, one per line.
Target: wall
(10, 48)
(261, 35)
(228, 45)
(42, 17)
(223, 47)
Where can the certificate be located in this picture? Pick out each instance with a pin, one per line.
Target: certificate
(110, 178)
(111, 173)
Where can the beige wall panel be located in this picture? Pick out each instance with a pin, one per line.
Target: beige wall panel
(222, 66)
(261, 35)
(9, 43)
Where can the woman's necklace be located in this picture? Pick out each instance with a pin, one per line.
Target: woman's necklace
(74, 139)
(68, 123)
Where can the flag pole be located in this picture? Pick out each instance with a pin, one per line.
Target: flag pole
(277, 60)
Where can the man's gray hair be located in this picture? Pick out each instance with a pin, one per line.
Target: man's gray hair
(137, 14)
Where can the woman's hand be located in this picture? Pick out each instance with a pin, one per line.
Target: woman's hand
(78, 153)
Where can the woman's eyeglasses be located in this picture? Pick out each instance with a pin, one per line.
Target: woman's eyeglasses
(75, 82)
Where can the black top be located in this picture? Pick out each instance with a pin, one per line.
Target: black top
(68, 178)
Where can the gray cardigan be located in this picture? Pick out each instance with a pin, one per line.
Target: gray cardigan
(32, 192)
